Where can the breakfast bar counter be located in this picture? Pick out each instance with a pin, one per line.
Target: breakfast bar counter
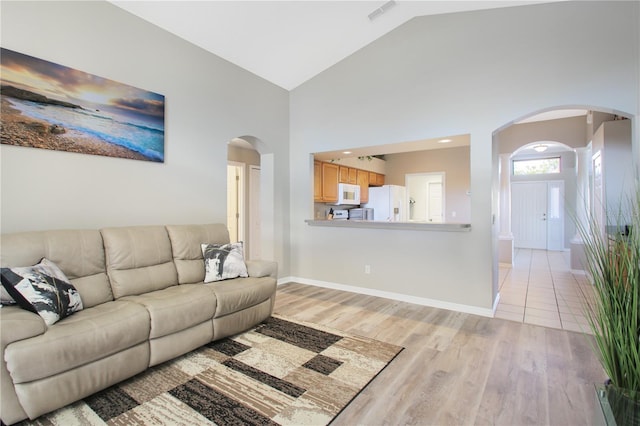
(403, 226)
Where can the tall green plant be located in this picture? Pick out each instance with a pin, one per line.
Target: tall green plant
(613, 261)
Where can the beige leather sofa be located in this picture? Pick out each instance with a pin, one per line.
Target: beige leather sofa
(144, 303)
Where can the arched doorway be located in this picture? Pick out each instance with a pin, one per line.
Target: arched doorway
(536, 287)
(555, 129)
(250, 193)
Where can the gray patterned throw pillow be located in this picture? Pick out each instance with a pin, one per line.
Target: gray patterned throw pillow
(223, 261)
(43, 289)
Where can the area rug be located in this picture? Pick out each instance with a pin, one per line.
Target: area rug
(280, 372)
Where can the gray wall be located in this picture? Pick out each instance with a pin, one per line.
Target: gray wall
(467, 73)
(208, 102)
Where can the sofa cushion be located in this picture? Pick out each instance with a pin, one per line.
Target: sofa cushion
(176, 308)
(186, 242)
(241, 293)
(223, 261)
(42, 288)
(139, 259)
(78, 253)
(84, 337)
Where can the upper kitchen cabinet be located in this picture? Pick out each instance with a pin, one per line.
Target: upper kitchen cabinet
(376, 179)
(317, 181)
(363, 181)
(353, 176)
(328, 183)
(343, 175)
(348, 175)
(327, 175)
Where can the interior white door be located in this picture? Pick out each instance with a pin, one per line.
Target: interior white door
(425, 197)
(255, 231)
(235, 198)
(232, 203)
(435, 202)
(529, 214)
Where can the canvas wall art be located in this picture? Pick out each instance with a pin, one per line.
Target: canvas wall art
(50, 106)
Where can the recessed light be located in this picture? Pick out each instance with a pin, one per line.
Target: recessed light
(346, 152)
(445, 141)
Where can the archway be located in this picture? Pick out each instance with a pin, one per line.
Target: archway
(260, 224)
(572, 132)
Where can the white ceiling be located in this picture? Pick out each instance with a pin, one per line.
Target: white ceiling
(289, 42)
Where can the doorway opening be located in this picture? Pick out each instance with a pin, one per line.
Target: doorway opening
(566, 195)
(426, 197)
(246, 206)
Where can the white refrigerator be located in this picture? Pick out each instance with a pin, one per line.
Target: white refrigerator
(388, 203)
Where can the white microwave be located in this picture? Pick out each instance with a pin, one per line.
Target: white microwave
(348, 194)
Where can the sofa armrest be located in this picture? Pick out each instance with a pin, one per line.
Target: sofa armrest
(15, 324)
(19, 324)
(262, 268)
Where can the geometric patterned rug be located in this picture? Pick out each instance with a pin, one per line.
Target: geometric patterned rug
(280, 372)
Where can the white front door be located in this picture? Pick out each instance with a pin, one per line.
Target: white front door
(537, 215)
(529, 214)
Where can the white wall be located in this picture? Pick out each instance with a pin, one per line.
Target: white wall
(208, 102)
(468, 73)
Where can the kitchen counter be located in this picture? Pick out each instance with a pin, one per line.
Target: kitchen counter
(375, 224)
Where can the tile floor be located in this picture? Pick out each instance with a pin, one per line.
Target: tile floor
(541, 289)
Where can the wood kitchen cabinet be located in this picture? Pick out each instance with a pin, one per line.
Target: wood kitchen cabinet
(317, 181)
(343, 176)
(348, 175)
(363, 181)
(325, 182)
(326, 177)
(353, 176)
(376, 179)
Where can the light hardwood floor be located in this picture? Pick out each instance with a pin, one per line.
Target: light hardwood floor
(456, 368)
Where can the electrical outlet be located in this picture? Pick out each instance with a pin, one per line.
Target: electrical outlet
(367, 269)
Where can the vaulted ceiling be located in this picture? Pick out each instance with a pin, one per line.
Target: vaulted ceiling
(289, 42)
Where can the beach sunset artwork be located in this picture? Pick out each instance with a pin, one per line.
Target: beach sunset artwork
(50, 106)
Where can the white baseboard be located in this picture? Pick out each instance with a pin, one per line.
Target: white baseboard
(468, 309)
